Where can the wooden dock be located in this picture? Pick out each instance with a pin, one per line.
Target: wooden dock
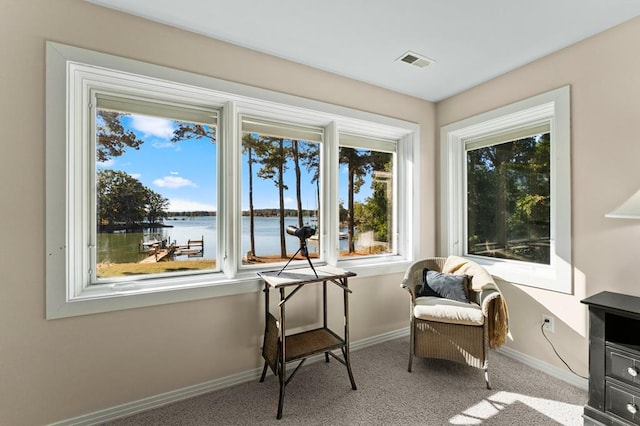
(160, 252)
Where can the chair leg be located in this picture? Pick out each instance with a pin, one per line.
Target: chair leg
(411, 345)
(486, 355)
(486, 375)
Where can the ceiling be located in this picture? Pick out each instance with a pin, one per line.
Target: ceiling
(471, 41)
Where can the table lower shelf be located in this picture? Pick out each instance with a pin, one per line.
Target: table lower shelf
(311, 342)
(299, 345)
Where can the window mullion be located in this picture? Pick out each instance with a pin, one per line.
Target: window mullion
(229, 222)
(90, 191)
(331, 210)
(453, 191)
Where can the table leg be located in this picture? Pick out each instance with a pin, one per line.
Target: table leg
(324, 313)
(345, 349)
(264, 371)
(283, 358)
(266, 324)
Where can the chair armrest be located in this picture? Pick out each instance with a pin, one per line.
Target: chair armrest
(487, 296)
(494, 308)
(408, 285)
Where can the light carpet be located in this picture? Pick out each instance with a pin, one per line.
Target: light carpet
(435, 393)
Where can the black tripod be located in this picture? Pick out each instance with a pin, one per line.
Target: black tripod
(305, 252)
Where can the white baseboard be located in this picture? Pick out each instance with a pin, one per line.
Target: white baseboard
(549, 369)
(149, 403)
(155, 401)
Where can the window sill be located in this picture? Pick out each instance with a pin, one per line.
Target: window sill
(545, 277)
(129, 295)
(375, 265)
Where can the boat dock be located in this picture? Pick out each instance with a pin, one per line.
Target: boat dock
(160, 250)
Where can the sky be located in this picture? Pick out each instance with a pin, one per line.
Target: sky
(184, 172)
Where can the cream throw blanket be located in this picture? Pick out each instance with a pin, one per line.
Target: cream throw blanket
(493, 305)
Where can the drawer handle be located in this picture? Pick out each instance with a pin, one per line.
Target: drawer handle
(632, 408)
(632, 371)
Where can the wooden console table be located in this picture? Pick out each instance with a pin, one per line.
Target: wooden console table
(279, 348)
(614, 360)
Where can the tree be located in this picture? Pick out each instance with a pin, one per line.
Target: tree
(296, 166)
(249, 146)
(157, 206)
(358, 163)
(273, 161)
(509, 198)
(186, 130)
(310, 157)
(112, 137)
(121, 200)
(379, 203)
(372, 215)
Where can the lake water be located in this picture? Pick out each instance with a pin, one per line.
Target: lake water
(124, 247)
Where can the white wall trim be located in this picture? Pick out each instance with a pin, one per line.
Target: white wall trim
(141, 405)
(551, 370)
(551, 108)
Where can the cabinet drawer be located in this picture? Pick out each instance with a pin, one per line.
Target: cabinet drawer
(623, 365)
(623, 402)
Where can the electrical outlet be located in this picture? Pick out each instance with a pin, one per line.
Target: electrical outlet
(549, 323)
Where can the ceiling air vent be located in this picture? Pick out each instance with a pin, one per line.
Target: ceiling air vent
(415, 59)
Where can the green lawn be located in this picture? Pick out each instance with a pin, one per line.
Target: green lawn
(125, 269)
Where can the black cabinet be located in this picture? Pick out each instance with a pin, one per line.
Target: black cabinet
(614, 360)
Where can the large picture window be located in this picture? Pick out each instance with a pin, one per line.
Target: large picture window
(506, 191)
(167, 186)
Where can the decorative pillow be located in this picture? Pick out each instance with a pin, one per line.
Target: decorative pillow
(437, 284)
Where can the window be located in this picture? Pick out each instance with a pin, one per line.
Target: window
(280, 189)
(166, 186)
(367, 203)
(508, 197)
(155, 188)
(506, 191)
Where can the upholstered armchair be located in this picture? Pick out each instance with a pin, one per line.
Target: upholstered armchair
(456, 330)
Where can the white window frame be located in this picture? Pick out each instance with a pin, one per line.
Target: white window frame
(73, 73)
(551, 108)
(123, 99)
(391, 147)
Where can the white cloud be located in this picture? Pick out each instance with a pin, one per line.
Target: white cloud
(166, 145)
(106, 164)
(152, 126)
(174, 173)
(288, 201)
(178, 205)
(173, 182)
(136, 175)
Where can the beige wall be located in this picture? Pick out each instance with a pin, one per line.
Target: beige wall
(605, 110)
(55, 370)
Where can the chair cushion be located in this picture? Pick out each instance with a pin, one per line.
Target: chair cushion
(448, 311)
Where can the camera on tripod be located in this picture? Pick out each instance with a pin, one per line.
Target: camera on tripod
(303, 232)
